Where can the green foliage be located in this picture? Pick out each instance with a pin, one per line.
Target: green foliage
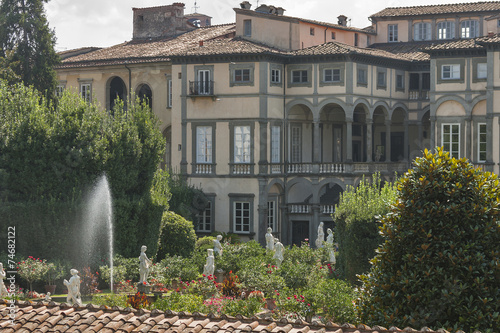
(231, 285)
(186, 200)
(32, 269)
(296, 266)
(177, 267)
(110, 300)
(118, 273)
(439, 264)
(356, 230)
(180, 302)
(177, 236)
(25, 32)
(235, 255)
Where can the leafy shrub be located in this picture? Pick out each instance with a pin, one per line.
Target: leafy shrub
(118, 273)
(180, 302)
(177, 236)
(297, 264)
(88, 282)
(177, 267)
(356, 229)
(231, 285)
(129, 265)
(439, 264)
(110, 300)
(235, 255)
(32, 269)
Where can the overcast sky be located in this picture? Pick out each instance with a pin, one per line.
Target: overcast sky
(109, 22)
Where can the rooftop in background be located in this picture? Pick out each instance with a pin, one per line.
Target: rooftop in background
(474, 7)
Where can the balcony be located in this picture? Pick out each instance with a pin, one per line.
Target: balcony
(241, 169)
(418, 94)
(324, 169)
(203, 169)
(201, 88)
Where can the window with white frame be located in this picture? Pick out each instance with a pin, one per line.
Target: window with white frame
(469, 29)
(275, 144)
(331, 75)
(86, 91)
(450, 72)
(272, 215)
(241, 216)
(60, 90)
(393, 32)
(482, 70)
(481, 142)
(242, 144)
(204, 144)
(422, 31)
(241, 75)
(169, 93)
(446, 30)
(450, 139)
(247, 28)
(205, 219)
(296, 144)
(275, 75)
(299, 76)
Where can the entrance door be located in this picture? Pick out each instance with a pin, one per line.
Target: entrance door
(300, 231)
(397, 146)
(204, 82)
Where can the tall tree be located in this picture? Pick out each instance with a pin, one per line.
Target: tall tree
(27, 43)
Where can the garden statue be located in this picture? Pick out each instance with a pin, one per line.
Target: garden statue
(321, 236)
(330, 245)
(279, 250)
(73, 286)
(3, 291)
(270, 239)
(144, 264)
(47, 297)
(218, 245)
(209, 267)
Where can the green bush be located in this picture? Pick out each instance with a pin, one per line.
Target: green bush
(297, 265)
(180, 302)
(356, 230)
(439, 265)
(177, 267)
(235, 255)
(176, 236)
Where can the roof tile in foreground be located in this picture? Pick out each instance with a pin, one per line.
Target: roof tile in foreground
(61, 317)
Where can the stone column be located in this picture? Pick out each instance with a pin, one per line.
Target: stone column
(316, 142)
(468, 138)
(369, 131)
(406, 141)
(349, 140)
(387, 141)
(433, 132)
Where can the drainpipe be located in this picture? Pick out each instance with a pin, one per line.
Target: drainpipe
(129, 97)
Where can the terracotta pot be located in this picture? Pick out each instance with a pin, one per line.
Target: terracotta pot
(50, 288)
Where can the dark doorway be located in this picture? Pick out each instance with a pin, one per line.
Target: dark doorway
(145, 95)
(300, 231)
(117, 90)
(397, 146)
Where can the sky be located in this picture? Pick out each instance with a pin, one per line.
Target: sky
(104, 23)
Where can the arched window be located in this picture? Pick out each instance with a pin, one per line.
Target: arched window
(145, 94)
(117, 90)
(422, 31)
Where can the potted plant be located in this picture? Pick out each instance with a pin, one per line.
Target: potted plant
(54, 272)
(32, 269)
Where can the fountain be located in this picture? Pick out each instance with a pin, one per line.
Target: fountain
(98, 217)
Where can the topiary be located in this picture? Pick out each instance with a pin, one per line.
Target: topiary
(177, 236)
(440, 263)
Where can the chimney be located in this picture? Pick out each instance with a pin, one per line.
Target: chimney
(201, 43)
(280, 11)
(491, 34)
(342, 20)
(245, 5)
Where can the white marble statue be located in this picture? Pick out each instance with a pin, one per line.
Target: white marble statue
(279, 251)
(330, 245)
(144, 265)
(321, 236)
(47, 297)
(209, 267)
(74, 296)
(270, 239)
(3, 291)
(218, 245)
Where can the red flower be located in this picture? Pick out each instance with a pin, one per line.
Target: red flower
(308, 304)
(288, 298)
(204, 275)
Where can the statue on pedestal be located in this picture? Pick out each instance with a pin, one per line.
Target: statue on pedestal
(3, 291)
(144, 265)
(330, 245)
(279, 251)
(321, 236)
(269, 239)
(209, 267)
(218, 245)
(73, 285)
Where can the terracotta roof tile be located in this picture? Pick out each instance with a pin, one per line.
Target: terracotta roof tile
(53, 317)
(486, 6)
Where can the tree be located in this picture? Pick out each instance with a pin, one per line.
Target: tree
(177, 236)
(440, 263)
(356, 227)
(24, 31)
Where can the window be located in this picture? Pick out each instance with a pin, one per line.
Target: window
(272, 215)
(299, 76)
(446, 30)
(381, 80)
(362, 76)
(241, 216)
(204, 144)
(86, 91)
(333, 34)
(242, 144)
(60, 89)
(275, 75)
(469, 29)
(422, 31)
(450, 139)
(450, 72)
(400, 81)
(204, 83)
(356, 39)
(331, 75)
(481, 142)
(247, 28)
(275, 144)
(296, 144)
(205, 219)
(169, 92)
(482, 70)
(242, 75)
(393, 32)
(311, 31)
